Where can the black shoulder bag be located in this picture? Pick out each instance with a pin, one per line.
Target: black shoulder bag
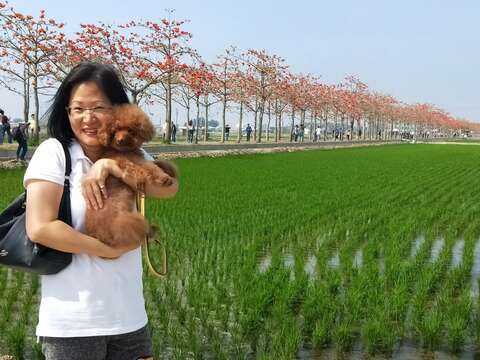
(17, 250)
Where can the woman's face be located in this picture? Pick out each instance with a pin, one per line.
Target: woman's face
(88, 107)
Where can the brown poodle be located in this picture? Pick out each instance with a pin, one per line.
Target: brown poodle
(118, 222)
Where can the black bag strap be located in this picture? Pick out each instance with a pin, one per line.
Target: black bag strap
(68, 164)
(65, 212)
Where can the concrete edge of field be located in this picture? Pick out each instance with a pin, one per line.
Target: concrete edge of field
(7, 161)
(11, 163)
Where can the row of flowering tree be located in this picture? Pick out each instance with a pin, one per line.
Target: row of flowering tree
(157, 65)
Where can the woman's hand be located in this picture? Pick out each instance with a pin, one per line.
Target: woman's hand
(93, 183)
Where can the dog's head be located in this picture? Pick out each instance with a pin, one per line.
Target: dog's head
(128, 130)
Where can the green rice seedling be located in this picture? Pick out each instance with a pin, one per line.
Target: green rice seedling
(457, 321)
(232, 211)
(430, 328)
(16, 340)
(286, 336)
(378, 334)
(343, 335)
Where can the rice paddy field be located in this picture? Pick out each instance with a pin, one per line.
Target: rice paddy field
(347, 253)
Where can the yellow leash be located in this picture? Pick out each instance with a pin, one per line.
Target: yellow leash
(163, 272)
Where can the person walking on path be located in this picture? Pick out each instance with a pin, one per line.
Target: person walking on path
(173, 135)
(301, 133)
(190, 131)
(5, 128)
(248, 130)
(20, 136)
(227, 132)
(296, 132)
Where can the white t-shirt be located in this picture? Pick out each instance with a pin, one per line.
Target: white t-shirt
(92, 296)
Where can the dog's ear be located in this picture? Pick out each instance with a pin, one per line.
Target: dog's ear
(105, 132)
(145, 129)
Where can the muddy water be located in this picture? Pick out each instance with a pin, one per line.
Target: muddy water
(264, 263)
(311, 266)
(334, 262)
(436, 249)
(358, 259)
(407, 350)
(416, 247)
(475, 270)
(457, 253)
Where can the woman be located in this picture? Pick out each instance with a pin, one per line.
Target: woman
(94, 308)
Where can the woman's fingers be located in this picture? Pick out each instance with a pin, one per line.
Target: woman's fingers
(94, 194)
(97, 193)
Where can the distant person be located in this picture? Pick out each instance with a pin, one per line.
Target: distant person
(190, 131)
(164, 131)
(227, 132)
(318, 133)
(173, 134)
(248, 130)
(34, 125)
(5, 128)
(20, 136)
(296, 132)
(301, 133)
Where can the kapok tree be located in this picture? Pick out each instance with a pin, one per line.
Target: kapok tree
(199, 79)
(30, 42)
(265, 69)
(165, 49)
(120, 46)
(224, 70)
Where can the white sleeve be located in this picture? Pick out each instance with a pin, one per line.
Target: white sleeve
(47, 163)
(147, 156)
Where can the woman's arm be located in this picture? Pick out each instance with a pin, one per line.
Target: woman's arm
(95, 192)
(43, 226)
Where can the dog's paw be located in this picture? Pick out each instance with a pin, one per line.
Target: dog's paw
(162, 180)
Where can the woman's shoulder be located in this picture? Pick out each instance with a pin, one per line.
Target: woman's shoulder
(51, 144)
(47, 163)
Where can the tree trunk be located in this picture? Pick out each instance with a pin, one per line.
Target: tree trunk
(292, 125)
(269, 119)
(207, 105)
(240, 121)
(325, 120)
(277, 126)
(260, 122)
(223, 117)
(196, 120)
(335, 127)
(37, 103)
(311, 125)
(26, 94)
(255, 119)
(188, 119)
(169, 109)
(280, 126)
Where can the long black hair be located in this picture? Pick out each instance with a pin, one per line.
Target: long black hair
(105, 76)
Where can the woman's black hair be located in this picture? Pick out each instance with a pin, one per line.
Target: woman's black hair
(106, 78)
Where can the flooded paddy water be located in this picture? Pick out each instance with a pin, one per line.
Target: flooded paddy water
(407, 348)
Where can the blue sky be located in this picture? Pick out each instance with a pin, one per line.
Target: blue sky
(417, 51)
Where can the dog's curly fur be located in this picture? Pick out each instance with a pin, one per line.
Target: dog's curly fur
(117, 223)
